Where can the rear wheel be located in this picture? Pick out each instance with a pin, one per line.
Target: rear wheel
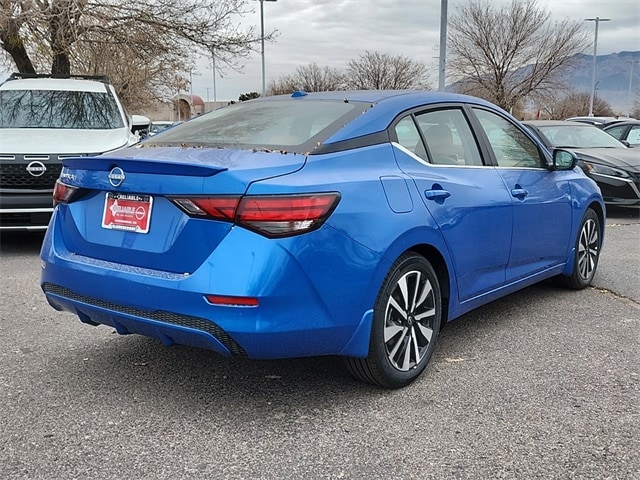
(587, 253)
(406, 323)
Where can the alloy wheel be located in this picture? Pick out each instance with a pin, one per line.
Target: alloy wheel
(409, 316)
(588, 249)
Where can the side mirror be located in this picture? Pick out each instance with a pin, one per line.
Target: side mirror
(140, 123)
(563, 159)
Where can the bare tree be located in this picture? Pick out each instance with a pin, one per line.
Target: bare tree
(546, 101)
(283, 85)
(507, 52)
(123, 38)
(140, 80)
(635, 113)
(380, 71)
(575, 104)
(309, 78)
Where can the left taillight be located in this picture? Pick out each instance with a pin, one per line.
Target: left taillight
(273, 216)
(63, 193)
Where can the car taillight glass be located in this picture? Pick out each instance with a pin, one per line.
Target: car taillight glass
(62, 193)
(285, 215)
(220, 208)
(269, 215)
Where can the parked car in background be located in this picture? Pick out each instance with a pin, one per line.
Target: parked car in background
(627, 131)
(44, 120)
(614, 166)
(599, 122)
(158, 126)
(140, 125)
(337, 223)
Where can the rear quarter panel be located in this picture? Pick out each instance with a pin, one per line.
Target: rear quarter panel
(378, 218)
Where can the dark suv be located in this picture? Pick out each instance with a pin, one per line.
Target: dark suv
(44, 119)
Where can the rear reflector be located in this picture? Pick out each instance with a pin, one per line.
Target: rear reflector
(232, 301)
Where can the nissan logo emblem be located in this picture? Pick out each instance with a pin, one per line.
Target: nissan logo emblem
(116, 176)
(36, 169)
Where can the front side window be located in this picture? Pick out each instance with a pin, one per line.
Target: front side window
(634, 135)
(511, 147)
(616, 131)
(59, 109)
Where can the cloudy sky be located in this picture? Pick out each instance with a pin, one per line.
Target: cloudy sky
(332, 32)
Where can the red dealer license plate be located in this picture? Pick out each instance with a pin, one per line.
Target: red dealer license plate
(126, 211)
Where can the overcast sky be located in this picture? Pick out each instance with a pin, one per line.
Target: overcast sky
(332, 32)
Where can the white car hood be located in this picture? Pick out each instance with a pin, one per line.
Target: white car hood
(62, 141)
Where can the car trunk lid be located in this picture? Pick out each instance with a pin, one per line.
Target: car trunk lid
(124, 213)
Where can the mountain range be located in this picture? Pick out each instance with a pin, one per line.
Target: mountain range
(613, 72)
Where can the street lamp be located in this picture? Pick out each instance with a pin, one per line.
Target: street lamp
(633, 63)
(262, 38)
(213, 69)
(597, 20)
(442, 64)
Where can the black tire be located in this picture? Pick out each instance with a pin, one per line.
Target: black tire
(587, 253)
(408, 310)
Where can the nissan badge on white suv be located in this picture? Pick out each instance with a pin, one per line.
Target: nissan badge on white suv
(44, 119)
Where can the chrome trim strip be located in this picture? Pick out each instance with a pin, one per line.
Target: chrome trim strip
(435, 165)
(24, 228)
(26, 210)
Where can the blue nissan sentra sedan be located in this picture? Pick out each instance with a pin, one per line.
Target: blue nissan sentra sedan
(349, 223)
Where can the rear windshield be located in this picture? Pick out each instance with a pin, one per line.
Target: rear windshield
(59, 109)
(295, 125)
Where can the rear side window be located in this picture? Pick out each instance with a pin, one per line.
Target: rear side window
(295, 125)
(448, 136)
(60, 109)
(408, 137)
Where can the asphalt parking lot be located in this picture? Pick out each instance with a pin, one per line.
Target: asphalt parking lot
(542, 384)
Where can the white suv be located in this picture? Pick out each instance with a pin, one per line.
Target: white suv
(44, 119)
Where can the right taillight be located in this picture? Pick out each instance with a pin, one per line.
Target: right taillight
(270, 215)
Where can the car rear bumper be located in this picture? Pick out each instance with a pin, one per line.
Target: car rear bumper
(292, 318)
(246, 333)
(170, 328)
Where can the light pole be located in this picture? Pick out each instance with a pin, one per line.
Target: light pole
(597, 20)
(443, 46)
(262, 39)
(633, 63)
(213, 68)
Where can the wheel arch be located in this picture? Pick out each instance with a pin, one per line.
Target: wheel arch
(429, 243)
(600, 211)
(439, 264)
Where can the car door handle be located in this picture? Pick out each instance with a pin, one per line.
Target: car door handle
(519, 192)
(436, 194)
